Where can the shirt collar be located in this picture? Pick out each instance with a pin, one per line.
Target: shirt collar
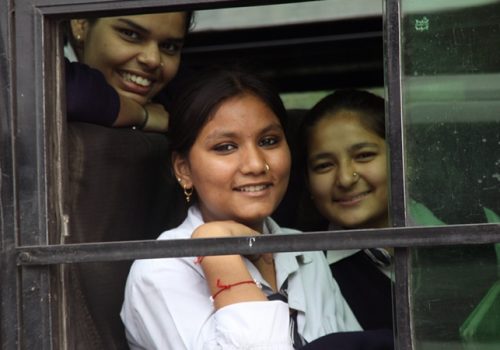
(69, 53)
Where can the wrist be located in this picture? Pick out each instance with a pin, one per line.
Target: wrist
(145, 119)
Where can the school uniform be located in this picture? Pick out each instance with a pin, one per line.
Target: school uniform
(167, 302)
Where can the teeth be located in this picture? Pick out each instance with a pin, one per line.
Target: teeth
(137, 79)
(252, 188)
(352, 198)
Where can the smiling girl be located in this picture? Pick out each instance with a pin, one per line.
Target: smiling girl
(231, 158)
(345, 158)
(122, 64)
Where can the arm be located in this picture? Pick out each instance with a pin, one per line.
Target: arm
(90, 99)
(228, 269)
(167, 307)
(132, 113)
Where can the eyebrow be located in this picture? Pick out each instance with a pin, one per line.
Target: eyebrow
(230, 134)
(134, 25)
(143, 30)
(361, 145)
(353, 148)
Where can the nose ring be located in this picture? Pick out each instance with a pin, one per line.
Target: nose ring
(267, 168)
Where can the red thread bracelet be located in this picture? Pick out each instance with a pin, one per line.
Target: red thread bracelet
(224, 287)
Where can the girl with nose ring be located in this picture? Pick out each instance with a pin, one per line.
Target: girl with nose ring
(231, 159)
(346, 172)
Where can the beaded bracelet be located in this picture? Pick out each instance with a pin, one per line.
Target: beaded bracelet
(224, 287)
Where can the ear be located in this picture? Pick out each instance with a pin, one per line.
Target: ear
(182, 170)
(79, 29)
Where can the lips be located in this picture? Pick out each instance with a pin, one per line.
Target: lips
(351, 199)
(136, 79)
(252, 188)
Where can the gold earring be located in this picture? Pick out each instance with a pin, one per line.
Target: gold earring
(355, 175)
(188, 192)
(78, 37)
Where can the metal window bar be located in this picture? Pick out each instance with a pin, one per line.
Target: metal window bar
(395, 138)
(349, 239)
(28, 221)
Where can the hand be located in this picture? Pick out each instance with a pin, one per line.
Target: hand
(223, 229)
(158, 118)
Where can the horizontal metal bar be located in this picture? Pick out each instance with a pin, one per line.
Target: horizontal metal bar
(276, 43)
(325, 240)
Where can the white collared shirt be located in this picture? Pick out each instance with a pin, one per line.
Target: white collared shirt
(167, 302)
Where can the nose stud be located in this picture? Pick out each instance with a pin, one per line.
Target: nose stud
(161, 64)
(267, 168)
(355, 175)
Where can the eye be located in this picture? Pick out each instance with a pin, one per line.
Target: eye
(365, 156)
(224, 148)
(171, 48)
(129, 34)
(269, 141)
(322, 167)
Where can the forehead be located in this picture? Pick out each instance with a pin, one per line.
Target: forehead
(171, 23)
(341, 128)
(242, 114)
(343, 119)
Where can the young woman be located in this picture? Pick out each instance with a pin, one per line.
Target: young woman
(346, 173)
(119, 64)
(345, 157)
(231, 158)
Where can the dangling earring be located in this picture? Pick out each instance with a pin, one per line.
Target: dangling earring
(188, 192)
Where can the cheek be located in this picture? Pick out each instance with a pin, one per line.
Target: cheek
(171, 66)
(223, 169)
(378, 175)
(104, 55)
(319, 185)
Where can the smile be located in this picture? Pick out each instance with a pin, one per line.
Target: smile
(253, 188)
(136, 79)
(352, 199)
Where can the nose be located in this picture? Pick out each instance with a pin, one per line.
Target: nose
(253, 161)
(346, 175)
(150, 55)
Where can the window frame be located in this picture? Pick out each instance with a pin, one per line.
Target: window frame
(33, 179)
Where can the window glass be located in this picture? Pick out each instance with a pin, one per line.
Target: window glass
(451, 84)
(310, 11)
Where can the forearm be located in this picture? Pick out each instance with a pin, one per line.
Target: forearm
(150, 117)
(230, 270)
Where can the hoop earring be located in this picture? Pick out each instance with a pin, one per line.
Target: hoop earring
(188, 192)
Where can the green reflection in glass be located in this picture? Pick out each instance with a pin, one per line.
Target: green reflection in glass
(451, 90)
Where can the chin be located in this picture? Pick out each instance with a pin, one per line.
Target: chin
(250, 218)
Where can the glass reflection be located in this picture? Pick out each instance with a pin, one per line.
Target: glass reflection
(451, 109)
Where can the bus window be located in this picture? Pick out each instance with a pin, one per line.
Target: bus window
(119, 179)
(452, 119)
